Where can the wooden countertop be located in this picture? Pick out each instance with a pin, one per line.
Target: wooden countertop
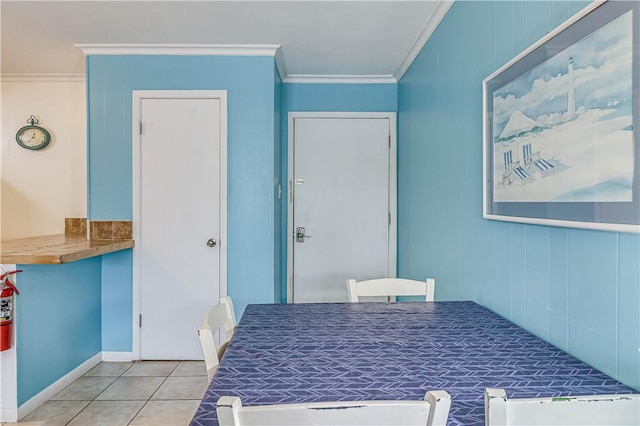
(57, 249)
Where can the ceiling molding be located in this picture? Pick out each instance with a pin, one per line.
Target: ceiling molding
(189, 49)
(282, 70)
(423, 37)
(346, 79)
(180, 49)
(42, 78)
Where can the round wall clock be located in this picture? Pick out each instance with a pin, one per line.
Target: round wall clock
(33, 136)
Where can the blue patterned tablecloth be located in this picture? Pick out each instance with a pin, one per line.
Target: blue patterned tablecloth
(359, 351)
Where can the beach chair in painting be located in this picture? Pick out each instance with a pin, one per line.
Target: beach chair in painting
(527, 155)
(544, 167)
(521, 173)
(508, 160)
(515, 167)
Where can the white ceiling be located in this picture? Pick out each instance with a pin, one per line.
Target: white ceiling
(374, 39)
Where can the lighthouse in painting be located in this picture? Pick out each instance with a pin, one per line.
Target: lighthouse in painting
(571, 100)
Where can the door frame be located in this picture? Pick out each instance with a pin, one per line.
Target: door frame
(137, 96)
(393, 183)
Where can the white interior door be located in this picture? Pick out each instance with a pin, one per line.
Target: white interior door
(177, 263)
(343, 187)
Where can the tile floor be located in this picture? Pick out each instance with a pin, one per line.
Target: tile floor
(127, 393)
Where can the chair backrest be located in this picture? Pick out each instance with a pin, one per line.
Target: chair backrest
(220, 317)
(575, 410)
(508, 159)
(433, 410)
(391, 287)
(526, 153)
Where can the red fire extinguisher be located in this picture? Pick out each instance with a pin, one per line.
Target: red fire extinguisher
(6, 309)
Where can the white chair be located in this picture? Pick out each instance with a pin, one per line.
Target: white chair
(574, 410)
(433, 410)
(391, 287)
(218, 317)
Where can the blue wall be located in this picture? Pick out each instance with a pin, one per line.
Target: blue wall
(57, 322)
(249, 82)
(578, 289)
(117, 301)
(340, 97)
(314, 97)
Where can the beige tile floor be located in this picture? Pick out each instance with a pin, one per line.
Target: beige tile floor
(141, 393)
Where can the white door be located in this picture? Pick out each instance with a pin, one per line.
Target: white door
(343, 186)
(178, 246)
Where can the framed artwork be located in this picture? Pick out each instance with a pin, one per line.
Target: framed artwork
(562, 129)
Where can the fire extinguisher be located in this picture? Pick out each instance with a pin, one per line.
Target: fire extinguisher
(6, 309)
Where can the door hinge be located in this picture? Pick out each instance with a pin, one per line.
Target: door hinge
(140, 127)
(140, 321)
(389, 140)
(290, 191)
(389, 218)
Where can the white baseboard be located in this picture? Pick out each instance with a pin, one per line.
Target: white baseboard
(57, 386)
(14, 415)
(111, 356)
(9, 415)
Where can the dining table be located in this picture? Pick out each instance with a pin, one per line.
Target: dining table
(315, 352)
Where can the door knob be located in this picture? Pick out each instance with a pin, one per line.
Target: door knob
(300, 235)
(211, 242)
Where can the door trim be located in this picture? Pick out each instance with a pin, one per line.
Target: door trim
(137, 96)
(393, 184)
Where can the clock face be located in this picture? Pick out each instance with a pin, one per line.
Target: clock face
(33, 137)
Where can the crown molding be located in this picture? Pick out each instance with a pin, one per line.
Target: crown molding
(188, 49)
(337, 79)
(441, 9)
(279, 59)
(180, 49)
(42, 78)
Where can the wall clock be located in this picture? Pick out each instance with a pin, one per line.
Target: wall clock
(33, 136)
